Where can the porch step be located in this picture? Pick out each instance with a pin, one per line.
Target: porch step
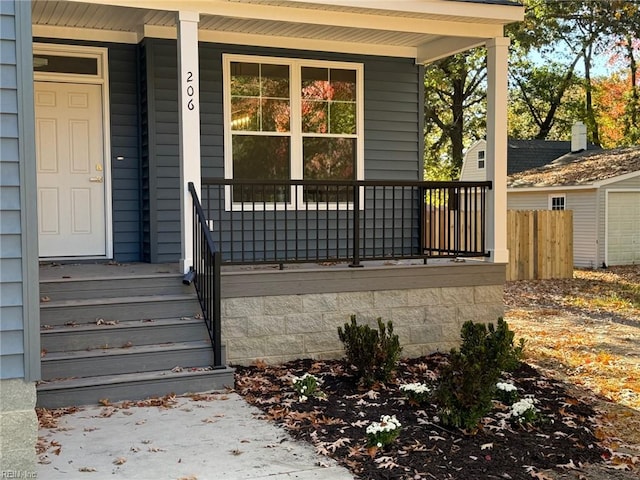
(123, 336)
(132, 386)
(85, 311)
(111, 361)
(82, 288)
(133, 333)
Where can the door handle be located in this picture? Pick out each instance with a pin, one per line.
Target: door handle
(96, 179)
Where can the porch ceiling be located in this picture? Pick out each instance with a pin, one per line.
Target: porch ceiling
(422, 29)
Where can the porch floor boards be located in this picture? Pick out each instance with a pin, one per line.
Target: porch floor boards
(121, 332)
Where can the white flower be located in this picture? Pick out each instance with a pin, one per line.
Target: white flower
(506, 387)
(379, 445)
(303, 398)
(520, 408)
(417, 388)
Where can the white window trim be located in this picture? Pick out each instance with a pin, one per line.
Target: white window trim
(295, 134)
(558, 195)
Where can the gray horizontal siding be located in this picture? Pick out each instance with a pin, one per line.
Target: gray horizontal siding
(392, 123)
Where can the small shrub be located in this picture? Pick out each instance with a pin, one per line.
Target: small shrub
(372, 353)
(467, 384)
(382, 433)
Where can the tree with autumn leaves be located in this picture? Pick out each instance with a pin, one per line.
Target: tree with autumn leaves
(552, 81)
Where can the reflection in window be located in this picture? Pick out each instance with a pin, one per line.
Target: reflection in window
(259, 157)
(260, 97)
(328, 100)
(328, 159)
(318, 140)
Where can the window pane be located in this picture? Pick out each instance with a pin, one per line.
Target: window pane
(343, 118)
(315, 116)
(329, 158)
(275, 81)
(315, 83)
(343, 84)
(60, 64)
(245, 114)
(258, 157)
(275, 115)
(245, 79)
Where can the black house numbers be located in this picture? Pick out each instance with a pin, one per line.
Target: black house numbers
(190, 91)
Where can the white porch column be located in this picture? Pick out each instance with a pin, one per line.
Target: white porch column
(497, 62)
(189, 118)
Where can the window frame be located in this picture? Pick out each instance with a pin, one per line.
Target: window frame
(559, 196)
(295, 133)
(481, 159)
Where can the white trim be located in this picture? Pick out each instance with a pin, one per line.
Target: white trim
(606, 216)
(189, 128)
(552, 196)
(102, 79)
(560, 188)
(618, 178)
(295, 129)
(90, 34)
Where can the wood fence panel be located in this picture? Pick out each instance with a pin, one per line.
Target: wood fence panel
(540, 244)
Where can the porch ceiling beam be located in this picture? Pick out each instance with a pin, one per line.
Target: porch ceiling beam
(444, 47)
(224, 8)
(51, 31)
(437, 7)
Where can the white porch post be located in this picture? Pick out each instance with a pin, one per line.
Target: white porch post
(497, 62)
(189, 120)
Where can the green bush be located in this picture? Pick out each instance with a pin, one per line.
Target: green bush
(373, 354)
(467, 384)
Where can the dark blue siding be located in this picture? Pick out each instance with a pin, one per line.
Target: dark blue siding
(393, 126)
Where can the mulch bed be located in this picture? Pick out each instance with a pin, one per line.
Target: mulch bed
(562, 441)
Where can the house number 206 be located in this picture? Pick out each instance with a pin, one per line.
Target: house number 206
(190, 91)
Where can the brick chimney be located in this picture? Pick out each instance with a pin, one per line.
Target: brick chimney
(578, 137)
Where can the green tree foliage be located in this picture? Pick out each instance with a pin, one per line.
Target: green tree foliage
(455, 111)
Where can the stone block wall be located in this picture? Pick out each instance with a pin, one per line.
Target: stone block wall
(18, 428)
(279, 328)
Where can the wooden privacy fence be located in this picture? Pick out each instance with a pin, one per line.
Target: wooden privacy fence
(540, 244)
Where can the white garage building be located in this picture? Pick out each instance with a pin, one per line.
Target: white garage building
(603, 190)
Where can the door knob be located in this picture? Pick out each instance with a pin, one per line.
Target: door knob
(96, 179)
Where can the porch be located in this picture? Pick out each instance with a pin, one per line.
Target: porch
(130, 331)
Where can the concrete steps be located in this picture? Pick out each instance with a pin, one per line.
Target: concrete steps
(126, 337)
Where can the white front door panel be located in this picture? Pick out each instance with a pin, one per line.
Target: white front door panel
(70, 151)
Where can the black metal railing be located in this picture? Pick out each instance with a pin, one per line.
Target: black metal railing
(286, 221)
(206, 276)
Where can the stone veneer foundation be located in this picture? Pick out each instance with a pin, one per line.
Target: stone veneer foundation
(300, 318)
(18, 429)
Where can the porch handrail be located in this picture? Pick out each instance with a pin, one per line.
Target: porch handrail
(206, 276)
(307, 221)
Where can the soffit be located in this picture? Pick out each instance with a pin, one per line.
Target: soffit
(277, 19)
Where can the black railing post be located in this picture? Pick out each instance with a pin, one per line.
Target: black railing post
(216, 320)
(356, 226)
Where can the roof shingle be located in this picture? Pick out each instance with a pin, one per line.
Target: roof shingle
(582, 168)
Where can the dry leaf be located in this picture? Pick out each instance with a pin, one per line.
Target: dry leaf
(87, 469)
(120, 461)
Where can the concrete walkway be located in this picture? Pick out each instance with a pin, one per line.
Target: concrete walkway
(219, 438)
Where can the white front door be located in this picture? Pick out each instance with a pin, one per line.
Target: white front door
(70, 160)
